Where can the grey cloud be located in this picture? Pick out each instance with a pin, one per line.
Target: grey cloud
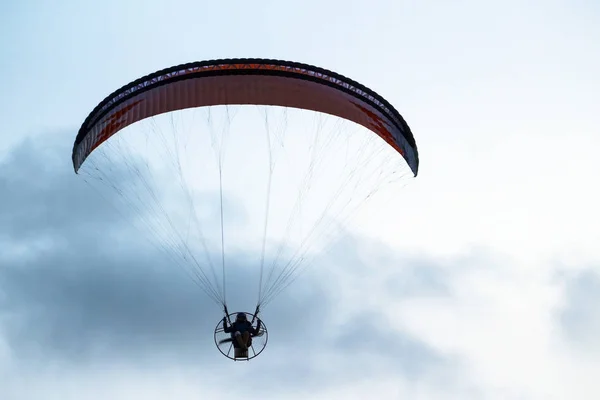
(419, 278)
(86, 298)
(368, 337)
(580, 316)
(89, 296)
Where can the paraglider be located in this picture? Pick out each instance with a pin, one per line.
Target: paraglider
(228, 83)
(241, 331)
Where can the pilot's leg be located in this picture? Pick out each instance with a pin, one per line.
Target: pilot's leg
(245, 338)
(240, 340)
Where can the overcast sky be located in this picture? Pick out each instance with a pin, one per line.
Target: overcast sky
(480, 279)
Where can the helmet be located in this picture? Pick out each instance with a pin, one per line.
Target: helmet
(241, 316)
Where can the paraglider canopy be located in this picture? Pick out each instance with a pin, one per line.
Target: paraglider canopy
(245, 81)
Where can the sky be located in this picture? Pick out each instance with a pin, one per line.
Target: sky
(478, 279)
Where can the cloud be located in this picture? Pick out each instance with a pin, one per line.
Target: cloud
(80, 289)
(73, 290)
(580, 315)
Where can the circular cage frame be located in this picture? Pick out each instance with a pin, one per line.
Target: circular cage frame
(263, 332)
